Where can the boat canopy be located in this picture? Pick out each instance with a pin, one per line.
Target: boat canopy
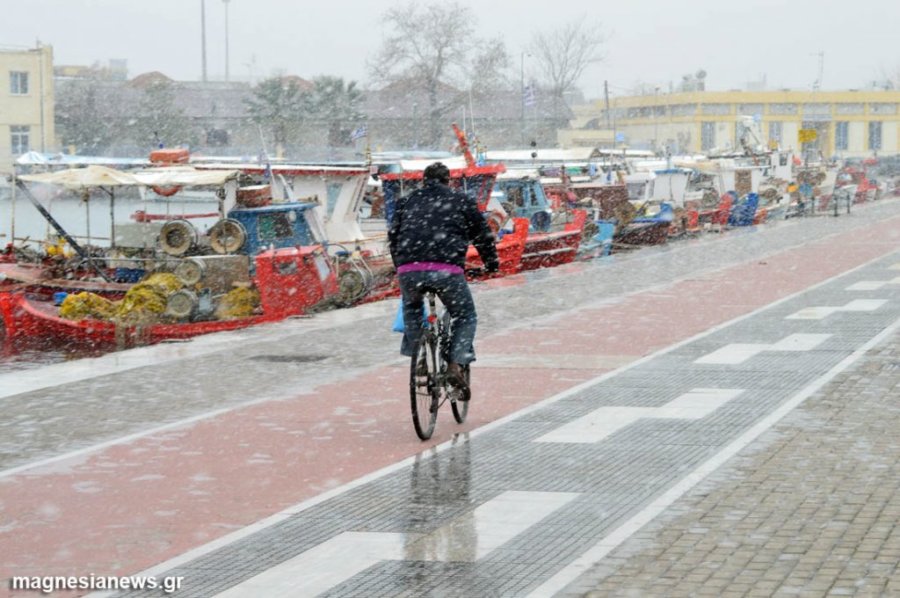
(81, 178)
(414, 169)
(578, 154)
(34, 158)
(101, 176)
(289, 169)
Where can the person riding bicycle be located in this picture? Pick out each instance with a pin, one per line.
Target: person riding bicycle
(429, 235)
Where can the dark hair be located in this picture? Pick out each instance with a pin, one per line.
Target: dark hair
(437, 172)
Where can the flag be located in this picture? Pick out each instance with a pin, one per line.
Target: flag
(528, 95)
(359, 132)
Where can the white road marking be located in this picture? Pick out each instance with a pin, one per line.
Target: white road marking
(606, 545)
(820, 312)
(323, 567)
(465, 539)
(800, 342)
(736, 353)
(605, 421)
(872, 285)
(477, 533)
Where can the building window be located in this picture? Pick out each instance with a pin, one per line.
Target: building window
(854, 108)
(750, 109)
(841, 135)
(875, 135)
(717, 109)
(18, 83)
(684, 110)
(817, 109)
(881, 108)
(707, 135)
(19, 136)
(776, 130)
(782, 109)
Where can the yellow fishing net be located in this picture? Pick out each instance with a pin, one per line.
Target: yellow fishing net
(79, 306)
(238, 303)
(145, 302)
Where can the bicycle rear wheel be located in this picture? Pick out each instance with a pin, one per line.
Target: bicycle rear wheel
(461, 408)
(423, 386)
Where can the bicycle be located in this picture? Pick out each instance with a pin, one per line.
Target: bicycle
(428, 384)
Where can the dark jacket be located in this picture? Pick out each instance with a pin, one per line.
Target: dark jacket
(436, 224)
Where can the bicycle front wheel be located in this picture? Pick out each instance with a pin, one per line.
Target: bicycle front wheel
(423, 385)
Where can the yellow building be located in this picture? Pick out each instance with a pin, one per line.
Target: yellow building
(26, 103)
(846, 123)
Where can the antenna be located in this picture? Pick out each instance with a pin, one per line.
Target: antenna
(817, 84)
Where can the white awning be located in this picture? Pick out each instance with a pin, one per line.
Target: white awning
(81, 178)
(101, 176)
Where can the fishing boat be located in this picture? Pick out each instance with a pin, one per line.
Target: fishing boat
(554, 236)
(161, 279)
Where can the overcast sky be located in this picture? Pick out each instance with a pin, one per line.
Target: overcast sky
(653, 41)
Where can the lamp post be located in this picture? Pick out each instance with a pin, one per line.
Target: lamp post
(655, 118)
(203, 35)
(225, 2)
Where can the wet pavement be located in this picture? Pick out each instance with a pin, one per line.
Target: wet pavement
(612, 400)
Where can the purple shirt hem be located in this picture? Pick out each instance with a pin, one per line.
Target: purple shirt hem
(429, 267)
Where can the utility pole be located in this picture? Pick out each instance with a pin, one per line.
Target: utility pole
(522, 94)
(203, 35)
(226, 37)
(606, 97)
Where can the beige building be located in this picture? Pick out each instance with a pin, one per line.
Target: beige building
(846, 123)
(26, 103)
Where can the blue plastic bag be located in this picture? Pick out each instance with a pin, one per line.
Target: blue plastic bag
(398, 321)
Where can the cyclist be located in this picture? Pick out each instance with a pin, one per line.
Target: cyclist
(429, 235)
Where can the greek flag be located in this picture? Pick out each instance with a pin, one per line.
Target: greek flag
(528, 95)
(359, 132)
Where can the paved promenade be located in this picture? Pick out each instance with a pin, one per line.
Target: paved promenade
(714, 416)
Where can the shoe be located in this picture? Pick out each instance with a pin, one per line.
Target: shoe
(457, 380)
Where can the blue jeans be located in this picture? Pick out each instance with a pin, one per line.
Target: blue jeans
(453, 291)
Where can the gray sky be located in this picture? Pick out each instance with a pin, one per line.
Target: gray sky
(655, 41)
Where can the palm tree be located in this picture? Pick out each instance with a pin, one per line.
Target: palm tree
(280, 104)
(336, 104)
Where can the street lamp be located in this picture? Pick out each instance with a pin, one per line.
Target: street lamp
(225, 2)
(203, 36)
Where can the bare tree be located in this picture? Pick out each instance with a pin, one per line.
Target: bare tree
(433, 47)
(563, 54)
(89, 115)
